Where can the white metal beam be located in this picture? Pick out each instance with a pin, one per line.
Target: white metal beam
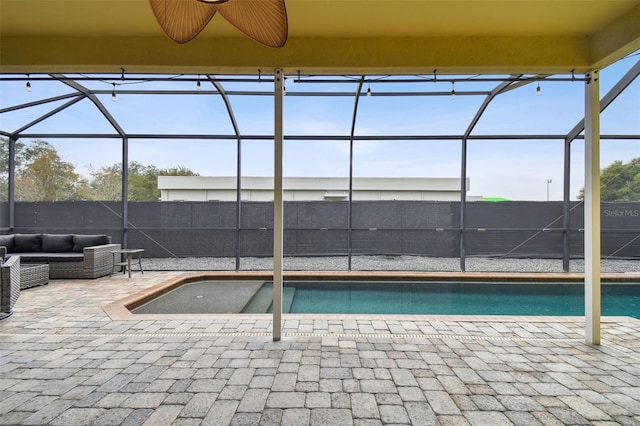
(592, 209)
(278, 216)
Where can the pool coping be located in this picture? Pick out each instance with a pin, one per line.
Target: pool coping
(119, 310)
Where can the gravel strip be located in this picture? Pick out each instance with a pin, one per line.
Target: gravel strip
(384, 263)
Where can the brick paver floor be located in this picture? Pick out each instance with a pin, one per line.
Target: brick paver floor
(63, 361)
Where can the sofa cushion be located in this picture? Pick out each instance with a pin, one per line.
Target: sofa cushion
(43, 257)
(82, 241)
(57, 243)
(27, 243)
(8, 242)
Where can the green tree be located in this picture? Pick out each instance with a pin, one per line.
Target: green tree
(4, 165)
(619, 182)
(24, 154)
(106, 183)
(46, 177)
(40, 173)
(143, 182)
(4, 169)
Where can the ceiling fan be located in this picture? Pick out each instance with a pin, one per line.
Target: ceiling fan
(265, 21)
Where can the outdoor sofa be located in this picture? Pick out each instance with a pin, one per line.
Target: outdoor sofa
(68, 255)
(9, 285)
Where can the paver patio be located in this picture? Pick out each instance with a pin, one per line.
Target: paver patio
(65, 362)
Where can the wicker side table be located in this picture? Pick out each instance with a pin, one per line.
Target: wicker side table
(33, 275)
(126, 264)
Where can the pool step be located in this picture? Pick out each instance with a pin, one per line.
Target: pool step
(261, 302)
(288, 294)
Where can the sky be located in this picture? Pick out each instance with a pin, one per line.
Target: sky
(512, 169)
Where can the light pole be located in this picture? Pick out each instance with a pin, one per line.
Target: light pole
(548, 182)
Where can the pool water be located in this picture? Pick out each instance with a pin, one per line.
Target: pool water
(446, 298)
(406, 297)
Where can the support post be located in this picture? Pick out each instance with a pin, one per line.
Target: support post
(463, 204)
(238, 201)
(278, 214)
(124, 223)
(11, 190)
(592, 209)
(350, 209)
(350, 202)
(566, 208)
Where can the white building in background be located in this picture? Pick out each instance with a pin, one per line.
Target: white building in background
(223, 188)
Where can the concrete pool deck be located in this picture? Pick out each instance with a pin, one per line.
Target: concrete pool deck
(64, 361)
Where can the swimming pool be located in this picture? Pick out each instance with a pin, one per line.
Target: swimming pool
(394, 297)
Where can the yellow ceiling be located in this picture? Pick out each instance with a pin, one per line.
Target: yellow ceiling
(364, 36)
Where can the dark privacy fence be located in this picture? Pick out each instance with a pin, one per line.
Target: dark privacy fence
(318, 228)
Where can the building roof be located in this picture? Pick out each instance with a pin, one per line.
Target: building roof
(327, 36)
(312, 183)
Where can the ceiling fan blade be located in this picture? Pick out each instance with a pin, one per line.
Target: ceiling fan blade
(182, 20)
(265, 21)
